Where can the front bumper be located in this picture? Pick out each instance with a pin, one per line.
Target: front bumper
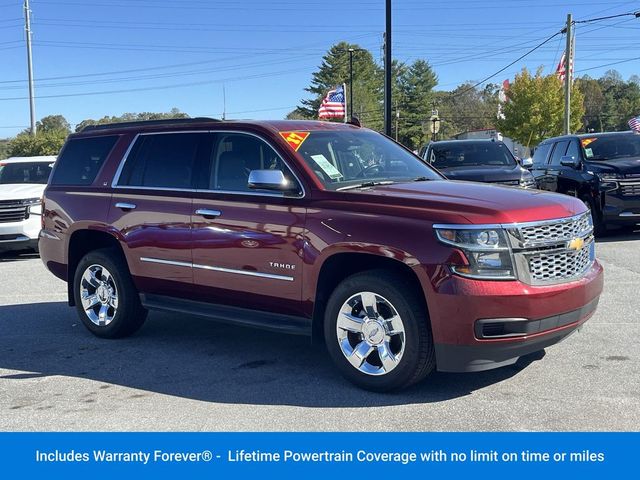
(544, 316)
(20, 235)
(620, 210)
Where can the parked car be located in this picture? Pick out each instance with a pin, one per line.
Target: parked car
(478, 161)
(22, 181)
(601, 169)
(315, 228)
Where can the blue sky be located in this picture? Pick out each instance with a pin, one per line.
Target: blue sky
(152, 55)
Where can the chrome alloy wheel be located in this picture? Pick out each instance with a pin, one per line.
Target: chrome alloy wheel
(370, 333)
(99, 295)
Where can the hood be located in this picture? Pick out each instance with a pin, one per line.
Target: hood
(483, 173)
(444, 201)
(21, 191)
(622, 166)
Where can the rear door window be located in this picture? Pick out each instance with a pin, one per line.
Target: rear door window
(163, 160)
(82, 159)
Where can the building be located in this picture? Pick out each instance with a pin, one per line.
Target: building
(492, 134)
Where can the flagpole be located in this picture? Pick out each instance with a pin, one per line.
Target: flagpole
(344, 91)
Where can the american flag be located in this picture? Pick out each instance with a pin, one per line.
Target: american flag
(561, 70)
(634, 123)
(333, 105)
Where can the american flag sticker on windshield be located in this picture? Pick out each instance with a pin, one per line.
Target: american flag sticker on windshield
(294, 139)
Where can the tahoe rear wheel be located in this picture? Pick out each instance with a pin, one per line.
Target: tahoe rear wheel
(106, 300)
(377, 331)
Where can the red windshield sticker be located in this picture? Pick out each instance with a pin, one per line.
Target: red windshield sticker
(294, 139)
(587, 141)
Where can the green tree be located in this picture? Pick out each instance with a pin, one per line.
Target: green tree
(467, 108)
(4, 148)
(53, 123)
(594, 102)
(535, 106)
(334, 70)
(415, 90)
(621, 101)
(45, 143)
(133, 117)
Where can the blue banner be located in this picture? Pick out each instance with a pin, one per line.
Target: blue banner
(316, 455)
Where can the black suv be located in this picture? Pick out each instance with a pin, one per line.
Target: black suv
(487, 161)
(602, 169)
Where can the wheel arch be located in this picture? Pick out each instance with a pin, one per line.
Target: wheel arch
(82, 242)
(339, 266)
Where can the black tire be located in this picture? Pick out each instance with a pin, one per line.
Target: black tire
(129, 315)
(599, 227)
(418, 358)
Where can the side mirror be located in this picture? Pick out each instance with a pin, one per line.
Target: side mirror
(269, 180)
(568, 161)
(527, 162)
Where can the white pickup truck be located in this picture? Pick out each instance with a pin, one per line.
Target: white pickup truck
(22, 182)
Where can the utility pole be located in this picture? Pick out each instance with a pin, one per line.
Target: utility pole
(350, 82)
(568, 57)
(397, 119)
(224, 103)
(32, 104)
(387, 70)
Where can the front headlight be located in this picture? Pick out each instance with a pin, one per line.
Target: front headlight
(34, 205)
(528, 182)
(486, 249)
(608, 181)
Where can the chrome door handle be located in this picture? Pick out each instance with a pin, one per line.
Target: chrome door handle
(206, 213)
(125, 206)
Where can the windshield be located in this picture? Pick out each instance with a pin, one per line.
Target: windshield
(25, 172)
(345, 158)
(611, 147)
(463, 154)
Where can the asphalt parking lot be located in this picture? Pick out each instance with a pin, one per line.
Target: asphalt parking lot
(182, 373)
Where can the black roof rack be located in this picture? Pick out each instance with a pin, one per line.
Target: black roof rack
(142, 123)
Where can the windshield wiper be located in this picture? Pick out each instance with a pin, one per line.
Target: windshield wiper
(421, 179)
(365, 185)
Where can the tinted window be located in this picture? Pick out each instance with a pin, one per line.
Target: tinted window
(573, 150)
(162, 161)
(81, 160)
(541, 154)
(234, 156)
(559, 152)
(31, 172)
(351, 157)
(611, 147)
(464, 154)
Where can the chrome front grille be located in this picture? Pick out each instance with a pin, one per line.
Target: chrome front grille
(13, 211)
(554, 251)
(630, 189)
(560, 266)
(556, 231)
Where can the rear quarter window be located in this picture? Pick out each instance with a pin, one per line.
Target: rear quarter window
(82, 159)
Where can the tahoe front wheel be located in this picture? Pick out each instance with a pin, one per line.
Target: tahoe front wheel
(377, 331)
(106, 299)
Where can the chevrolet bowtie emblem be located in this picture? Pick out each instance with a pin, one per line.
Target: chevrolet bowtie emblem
(576, 244)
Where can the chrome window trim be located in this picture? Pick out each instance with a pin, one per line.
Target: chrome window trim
(125, 157)
(271, 276)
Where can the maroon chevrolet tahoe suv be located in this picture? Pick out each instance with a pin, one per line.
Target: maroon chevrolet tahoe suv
(321, 229)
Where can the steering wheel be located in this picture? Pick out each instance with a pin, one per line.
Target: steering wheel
(370, 170)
